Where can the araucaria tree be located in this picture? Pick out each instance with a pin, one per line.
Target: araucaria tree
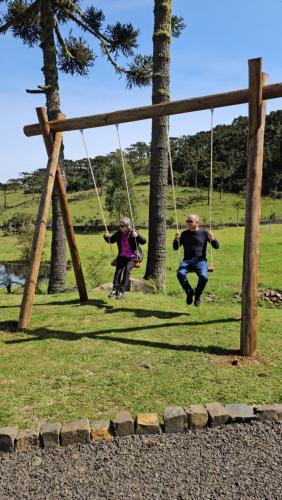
(165, 26)
(38, 22)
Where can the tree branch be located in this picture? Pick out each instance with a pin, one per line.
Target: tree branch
(4, 28)
(30, 91)
(61, 40)
(83, 23)
(41, 89)
(103, 41)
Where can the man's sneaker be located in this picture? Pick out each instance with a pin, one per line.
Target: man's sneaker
(189, 297)
(112, 294)
(197, 301)
(119, 295)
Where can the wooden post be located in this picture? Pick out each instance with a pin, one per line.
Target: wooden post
(39, 233)
(257, 109)
(60, 188)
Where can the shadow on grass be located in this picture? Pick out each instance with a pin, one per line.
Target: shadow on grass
(111, 309)
(75, 302)
(108, 335)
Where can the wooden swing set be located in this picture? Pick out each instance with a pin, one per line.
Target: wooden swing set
(52, 131)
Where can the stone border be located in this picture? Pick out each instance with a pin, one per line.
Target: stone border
(175, 419)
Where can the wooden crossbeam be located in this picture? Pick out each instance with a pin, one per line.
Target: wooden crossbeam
(166, 109)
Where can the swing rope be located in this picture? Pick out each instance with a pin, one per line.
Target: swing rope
(172, 185)
(127, 188)
(211, 185)
(95, 186)
(125, 177)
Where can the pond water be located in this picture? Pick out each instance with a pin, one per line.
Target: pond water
(14, 273)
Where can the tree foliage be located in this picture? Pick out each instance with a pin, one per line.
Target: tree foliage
(40, 22)
(190, 157)
(74, 55)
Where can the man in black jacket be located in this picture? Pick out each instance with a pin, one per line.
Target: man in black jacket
(194, 241)
(129, 252)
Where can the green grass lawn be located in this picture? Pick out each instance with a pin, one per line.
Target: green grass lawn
(85, 208)
(79, 361)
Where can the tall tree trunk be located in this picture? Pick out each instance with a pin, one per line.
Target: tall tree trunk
(57, 278)
(159, 146)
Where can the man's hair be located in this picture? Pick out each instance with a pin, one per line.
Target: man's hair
(195, 217)
(126, 222)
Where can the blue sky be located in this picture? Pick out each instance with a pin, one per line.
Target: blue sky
(211, 56)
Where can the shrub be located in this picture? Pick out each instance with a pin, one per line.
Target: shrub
(273, 217)
(18, 223)
(24, 241)
(276, 194)
(170, 221)
(95, 269)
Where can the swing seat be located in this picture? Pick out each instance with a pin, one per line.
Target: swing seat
(210, 269)
(136, 264)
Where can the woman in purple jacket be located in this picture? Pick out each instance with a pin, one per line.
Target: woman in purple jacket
(129, 252)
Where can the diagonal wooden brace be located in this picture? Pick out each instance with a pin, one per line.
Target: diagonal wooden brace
(67, 219)
(53, 178)
(39, 233)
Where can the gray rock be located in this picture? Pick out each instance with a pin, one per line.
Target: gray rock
(101, 430)
(123, 424)
(141, 285)
(175, 419)
(217, 414)
(75, 432)
(135, 285)
(147, 423)
(197, 417)
(50, 434)
(267, 412)
(7, 438)
(27, 440)
(278, 408)
(240, 412)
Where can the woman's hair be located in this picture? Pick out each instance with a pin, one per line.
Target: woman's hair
(126, 222)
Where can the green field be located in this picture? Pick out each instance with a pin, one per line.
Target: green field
(90, 361)
(85, 209)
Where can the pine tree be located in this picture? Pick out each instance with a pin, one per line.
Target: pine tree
(165, 26)
(38, 23)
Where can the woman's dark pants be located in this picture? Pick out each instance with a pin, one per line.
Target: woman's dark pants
(124, 266)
